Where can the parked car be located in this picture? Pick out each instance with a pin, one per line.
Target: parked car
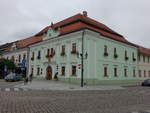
(146, 82)
(12, 77)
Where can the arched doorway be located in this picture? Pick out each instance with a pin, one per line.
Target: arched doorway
(49, 73)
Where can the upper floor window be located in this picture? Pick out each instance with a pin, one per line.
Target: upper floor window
(52, 52)
(140, 73)
(115, 72)
(24, 56)
(105, 51)
(74, 71)
(39, 55)
(48, 53)
(74, 51)
(105, 71)
(63, 70)
(148, 59)
(115, 53)
(143, 58)
(126, 55)
(63, 50)
(133, 57)
(19, 58)
(139, 57)
(32, 58)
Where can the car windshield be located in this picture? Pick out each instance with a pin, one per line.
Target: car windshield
(11, 74)
(147, 80)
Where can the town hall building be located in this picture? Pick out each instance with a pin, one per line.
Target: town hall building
(81, 50)
(107, 56)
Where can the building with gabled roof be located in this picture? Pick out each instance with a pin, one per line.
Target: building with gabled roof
(56, 52)
(18, 51)
(108, 57)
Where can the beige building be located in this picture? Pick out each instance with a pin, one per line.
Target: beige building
(144, 62)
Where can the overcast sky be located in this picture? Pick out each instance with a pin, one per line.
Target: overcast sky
(23, 18)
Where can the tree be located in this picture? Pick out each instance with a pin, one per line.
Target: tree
(4, 62)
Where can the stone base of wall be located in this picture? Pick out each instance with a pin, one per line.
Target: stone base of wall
(101, 82)
(96, 82)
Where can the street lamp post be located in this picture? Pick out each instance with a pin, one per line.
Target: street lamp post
(82, 56)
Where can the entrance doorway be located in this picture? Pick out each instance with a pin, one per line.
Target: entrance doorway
(49, 73)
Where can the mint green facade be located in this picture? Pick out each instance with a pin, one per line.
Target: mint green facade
(97, 61)
(94, 64)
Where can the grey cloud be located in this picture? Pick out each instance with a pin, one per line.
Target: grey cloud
(23, 18)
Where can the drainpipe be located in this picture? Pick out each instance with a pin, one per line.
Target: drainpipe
(28, 58)
(82, 60)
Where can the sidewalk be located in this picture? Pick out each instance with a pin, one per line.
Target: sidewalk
(57, 85)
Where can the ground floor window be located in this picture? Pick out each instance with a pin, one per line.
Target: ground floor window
(125, 72)
(74, 70)
(144, 73)
(140, 73)
(115, 72)
(149, 73)
(32, 71)
(63, 70)
(41, 71)
(134, 74)
(105, 71)
(38, 71)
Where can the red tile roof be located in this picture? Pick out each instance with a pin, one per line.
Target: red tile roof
(144, 50)
(83, 19)
(28, 41)
(78, 22)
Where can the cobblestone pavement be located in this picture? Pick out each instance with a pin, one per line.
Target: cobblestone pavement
(4, 84)
(130, 100)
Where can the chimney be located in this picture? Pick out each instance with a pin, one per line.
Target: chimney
(85, 13)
